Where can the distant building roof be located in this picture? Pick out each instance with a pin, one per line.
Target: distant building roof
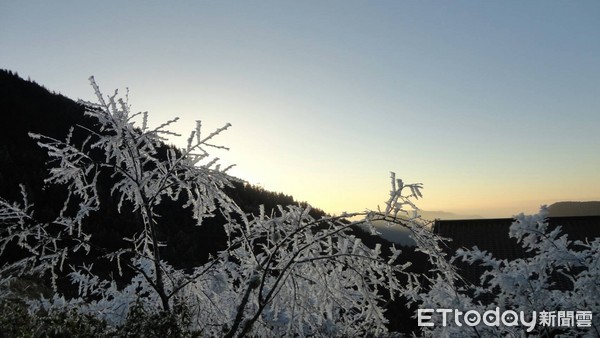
(492, 235)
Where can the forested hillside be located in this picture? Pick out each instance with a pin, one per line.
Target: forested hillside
(29, 107)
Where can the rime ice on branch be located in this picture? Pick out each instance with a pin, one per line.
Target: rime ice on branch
(284, 274)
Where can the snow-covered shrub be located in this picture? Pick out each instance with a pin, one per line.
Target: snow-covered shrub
(283, 274)
(527, 284)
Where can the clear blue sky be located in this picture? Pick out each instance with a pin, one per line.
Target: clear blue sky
(493, 106)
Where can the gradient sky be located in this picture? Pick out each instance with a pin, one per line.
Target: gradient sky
(493, 106)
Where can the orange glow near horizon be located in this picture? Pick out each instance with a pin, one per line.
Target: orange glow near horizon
(326, 100)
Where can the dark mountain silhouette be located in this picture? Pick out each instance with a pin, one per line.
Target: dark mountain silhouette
(563, 209)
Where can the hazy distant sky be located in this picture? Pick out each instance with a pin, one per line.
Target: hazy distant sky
(493, 105)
